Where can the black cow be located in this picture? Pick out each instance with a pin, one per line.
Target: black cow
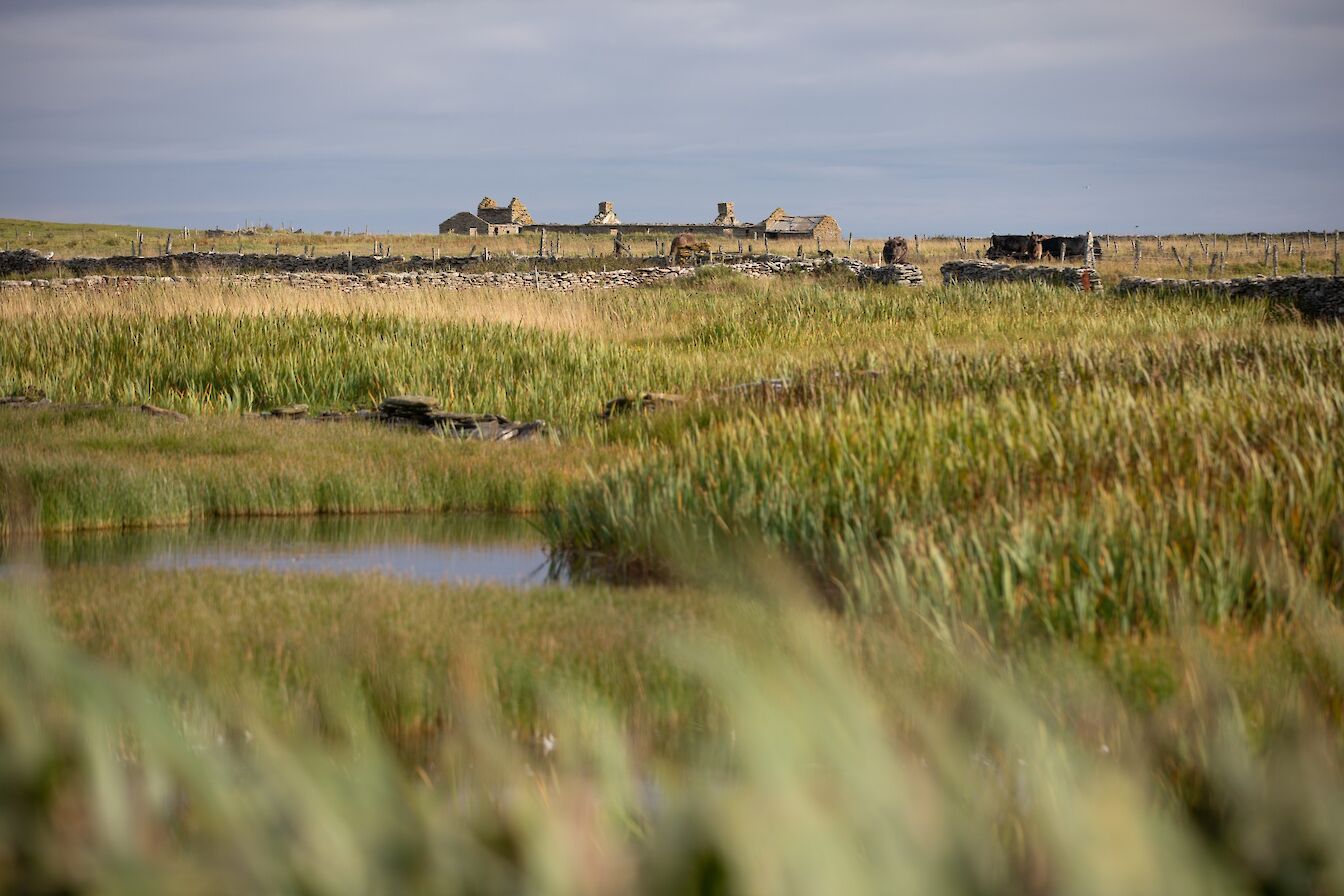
(1017, 248)
(1070, 246)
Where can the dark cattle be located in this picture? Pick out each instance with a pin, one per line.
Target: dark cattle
(1017, 248)
(1035, 244)
(894, 250)
(1070, 246)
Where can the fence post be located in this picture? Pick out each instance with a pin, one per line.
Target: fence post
(168, 245)
(1089, 258)
(1302, 264)
(1275, 256)
(1176, 255)
(1336, 253)
(1138, 253)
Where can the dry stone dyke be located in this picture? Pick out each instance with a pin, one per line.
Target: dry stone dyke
(972, 270)
(465, 280)
(1317, 298)
(892, 274)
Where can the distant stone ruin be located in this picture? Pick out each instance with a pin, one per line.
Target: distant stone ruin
(726, 218)
(491, 220)
(606, 214)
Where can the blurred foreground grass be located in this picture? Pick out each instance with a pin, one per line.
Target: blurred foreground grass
(821, 755)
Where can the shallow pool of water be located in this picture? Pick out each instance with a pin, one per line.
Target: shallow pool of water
(459, 549)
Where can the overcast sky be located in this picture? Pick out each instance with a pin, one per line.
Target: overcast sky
(960, 117)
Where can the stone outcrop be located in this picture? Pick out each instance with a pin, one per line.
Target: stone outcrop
(425, 412)
(978, 271)
(1317, 298)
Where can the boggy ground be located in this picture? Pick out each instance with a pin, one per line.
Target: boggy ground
(1086, 552)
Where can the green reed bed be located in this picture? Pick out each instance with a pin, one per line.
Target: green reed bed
(1071, 490)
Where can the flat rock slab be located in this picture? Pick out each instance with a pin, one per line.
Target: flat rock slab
(408, 405)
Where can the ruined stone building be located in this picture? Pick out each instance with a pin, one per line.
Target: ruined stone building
(780, 225)
(490, 219)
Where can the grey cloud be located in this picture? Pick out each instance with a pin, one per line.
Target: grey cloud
(962, 112)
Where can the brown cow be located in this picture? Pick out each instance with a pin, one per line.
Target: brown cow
(686, 246)
(894, 250)
(1034, 243)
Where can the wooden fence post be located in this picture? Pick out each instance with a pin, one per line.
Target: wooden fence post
(1275, 256)
(1138, 253)
(1336, 253)
(1089, 258)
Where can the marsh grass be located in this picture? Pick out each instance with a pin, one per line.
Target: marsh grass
(1094, 487)
(113, 468)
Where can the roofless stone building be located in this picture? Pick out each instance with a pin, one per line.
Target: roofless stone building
(490, 219)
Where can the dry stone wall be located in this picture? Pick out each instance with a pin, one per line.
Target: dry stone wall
(25, 261)
(893, 274)
(464, 280)
(979, 271)
(1318, 298)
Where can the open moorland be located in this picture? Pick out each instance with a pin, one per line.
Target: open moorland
(1009, 587)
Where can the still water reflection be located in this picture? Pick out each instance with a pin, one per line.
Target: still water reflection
(457, 549)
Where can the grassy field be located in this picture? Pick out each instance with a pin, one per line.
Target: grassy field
(1242, 254)
(1006, 589)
